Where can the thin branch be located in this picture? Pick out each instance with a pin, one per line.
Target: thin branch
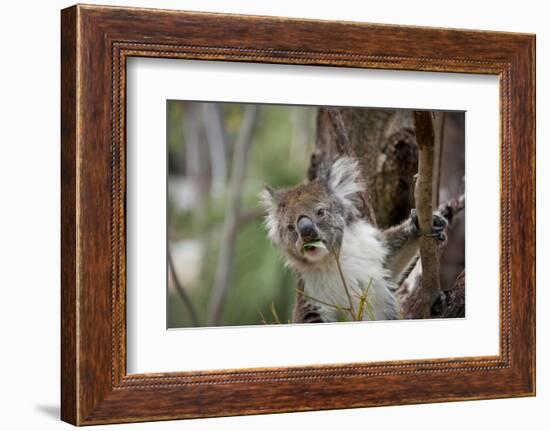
(274, 313)
(364, 302)
(228, 238)
(337, 259)
(181, 291)
(328, 304)
(262, 317)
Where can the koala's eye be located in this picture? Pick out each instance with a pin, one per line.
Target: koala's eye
(290, 228)
(321, 212)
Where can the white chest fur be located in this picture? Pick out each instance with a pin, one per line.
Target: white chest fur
(362, 262)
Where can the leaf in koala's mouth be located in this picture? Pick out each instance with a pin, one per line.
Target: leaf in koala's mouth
(308, 246)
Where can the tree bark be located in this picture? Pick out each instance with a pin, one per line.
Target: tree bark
(453, 301)
(421, 303)
(383, 141)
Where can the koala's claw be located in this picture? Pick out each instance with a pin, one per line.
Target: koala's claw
(439, 226)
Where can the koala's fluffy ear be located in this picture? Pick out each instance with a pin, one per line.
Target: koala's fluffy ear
(270, 200)
(345, 181)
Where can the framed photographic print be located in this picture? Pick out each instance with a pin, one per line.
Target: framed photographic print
(266, 215)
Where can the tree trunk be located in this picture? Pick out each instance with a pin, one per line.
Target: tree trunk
(217, 145)
(383, 142)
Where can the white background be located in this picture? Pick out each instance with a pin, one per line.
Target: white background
(29, 217)
(151, 348)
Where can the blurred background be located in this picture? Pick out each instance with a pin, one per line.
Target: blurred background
(219, 157)
(222, 270)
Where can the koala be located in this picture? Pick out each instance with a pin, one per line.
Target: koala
(318, 229)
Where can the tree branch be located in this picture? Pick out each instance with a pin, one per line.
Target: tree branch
(411, 287)
(423, 195)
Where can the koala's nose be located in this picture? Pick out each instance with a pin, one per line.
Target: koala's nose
(306, 227)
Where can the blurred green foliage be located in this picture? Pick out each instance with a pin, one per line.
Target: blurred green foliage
(259, 278)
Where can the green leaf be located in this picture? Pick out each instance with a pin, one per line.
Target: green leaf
(316, 244)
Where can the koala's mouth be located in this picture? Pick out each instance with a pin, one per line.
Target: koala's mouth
(314, 247)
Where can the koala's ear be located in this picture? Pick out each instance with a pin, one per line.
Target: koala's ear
(345, 181)
(270, 200)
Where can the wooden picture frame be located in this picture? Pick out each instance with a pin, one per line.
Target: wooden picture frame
(95, 43)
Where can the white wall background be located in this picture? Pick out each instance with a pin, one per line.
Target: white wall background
(29, 215)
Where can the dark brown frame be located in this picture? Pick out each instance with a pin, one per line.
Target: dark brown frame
(95, 43)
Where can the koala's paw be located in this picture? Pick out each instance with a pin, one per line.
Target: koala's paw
(439, 226)
(306, 312)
